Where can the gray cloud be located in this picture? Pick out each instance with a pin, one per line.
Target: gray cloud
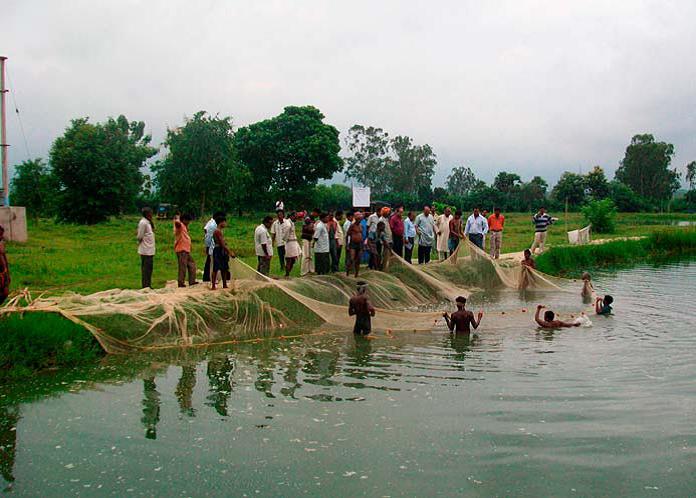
(538, 87)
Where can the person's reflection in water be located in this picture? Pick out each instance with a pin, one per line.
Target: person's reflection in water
(323, 364)
(265, 365)
(184, 390)
(290, 377)
(151, 407)
(9, 417)
(219, 379)
(360, 355)
(461, 344)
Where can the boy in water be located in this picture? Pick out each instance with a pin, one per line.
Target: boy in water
(461, 320)
(549, 321)
(360, 307)
(603, 305)
(528, 260)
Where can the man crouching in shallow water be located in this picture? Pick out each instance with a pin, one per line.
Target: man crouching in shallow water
(360, 307)
(461, 320)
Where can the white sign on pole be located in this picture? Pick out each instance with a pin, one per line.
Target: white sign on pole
(361, 196)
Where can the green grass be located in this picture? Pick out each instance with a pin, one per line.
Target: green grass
(571, 261)
(36, 341)
(84, 259)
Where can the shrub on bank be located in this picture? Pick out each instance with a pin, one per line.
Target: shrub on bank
(35, 341)
(601, 215)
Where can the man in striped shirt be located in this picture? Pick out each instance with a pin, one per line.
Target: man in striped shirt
(541, 222)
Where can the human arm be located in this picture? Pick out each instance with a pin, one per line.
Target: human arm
(476, 322)
(467, 227)
(537, 317)
(371, 308)
(140, 235)
(448, 321)
(599, 304)
(485, 226)
(351, 308)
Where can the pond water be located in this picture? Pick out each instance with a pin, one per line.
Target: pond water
(608, 410)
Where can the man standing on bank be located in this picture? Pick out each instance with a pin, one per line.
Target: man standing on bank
(146, 247)
(425, 228)
(476, 228)
(280, 231)
(359, 306)
(396, 223)
(541, 222)
(182, 248)
(263, 246)
(320, 241)
(496, 223)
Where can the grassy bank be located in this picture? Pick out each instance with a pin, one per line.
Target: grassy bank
(571, 261)
(87, 259)
(36, 341)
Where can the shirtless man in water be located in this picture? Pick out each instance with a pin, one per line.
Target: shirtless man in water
(549, 321)
(461, 320)
(360, 307)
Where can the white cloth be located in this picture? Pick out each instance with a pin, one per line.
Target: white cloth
(340, 235)
(261, 237)
(361, 196)
(321, 237)
(281, 231)
(425, 227)
(280, 206)
(210, 228)
(292, 247)
(477, 225)
(581, 236)
(146, 238)
(372, 221)
(443, 231)
(307, 265)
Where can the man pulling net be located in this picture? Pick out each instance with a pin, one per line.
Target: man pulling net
(360, 307)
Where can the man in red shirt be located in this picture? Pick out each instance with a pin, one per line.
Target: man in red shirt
(396, 223)
(496, 223)
(182, 248)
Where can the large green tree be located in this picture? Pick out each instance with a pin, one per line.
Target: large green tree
(369, 158)
(691, 174)
(507, 182)
(570, 188)
(413, 166)
(98, 168)
(597, 184)
(461, 181)
(35, 187)
(290, 152)
(200, 173)
(531, 194)
(645, 168)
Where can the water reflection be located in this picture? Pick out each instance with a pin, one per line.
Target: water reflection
(184, 389)
(219, 372)
(9, 417)
(151, 407)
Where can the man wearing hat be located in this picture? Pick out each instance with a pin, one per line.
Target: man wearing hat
(360, 307)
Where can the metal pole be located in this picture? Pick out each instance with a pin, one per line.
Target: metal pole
(3, 135)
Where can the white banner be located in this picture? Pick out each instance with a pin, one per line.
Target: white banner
(361, 196)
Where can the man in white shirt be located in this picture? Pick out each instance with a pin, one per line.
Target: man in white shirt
(280, 230)
(146, 247)
(320, 241)
(372, 221)
(263, 245)
(442, 229)
(476, 228)
(345, 228)
(209, 243)
(425, 228)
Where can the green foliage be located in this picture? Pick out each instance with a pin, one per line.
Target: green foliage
(507, 182)
(597, 184)
(601, 214)
(571, 261)
(570, 188)
(389, 166)
(625, 199)
(461, 181)
(35, 187)
(200, 173)
(334, 196)
(98, 168)
(35, 341)
(368, 162)
(645, 168)
(289, 153)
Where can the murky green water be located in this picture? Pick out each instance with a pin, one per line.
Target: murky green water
(608, 410)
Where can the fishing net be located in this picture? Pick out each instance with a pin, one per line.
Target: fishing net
(407, 297)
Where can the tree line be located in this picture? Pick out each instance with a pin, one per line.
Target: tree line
(98, 170)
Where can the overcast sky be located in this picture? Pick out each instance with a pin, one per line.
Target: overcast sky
(536, 87)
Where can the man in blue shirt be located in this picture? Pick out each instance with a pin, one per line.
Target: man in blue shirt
(409, 236)
(476, 228)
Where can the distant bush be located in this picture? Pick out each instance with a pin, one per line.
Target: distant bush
(601, 214)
